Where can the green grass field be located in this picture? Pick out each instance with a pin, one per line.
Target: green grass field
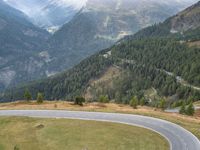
(63, 134)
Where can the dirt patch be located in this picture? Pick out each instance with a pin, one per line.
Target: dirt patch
(40, 126)
(195, 43)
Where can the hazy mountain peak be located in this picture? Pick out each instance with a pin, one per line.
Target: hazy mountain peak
(48, 13)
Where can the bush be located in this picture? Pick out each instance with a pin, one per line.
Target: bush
(103, 99)
(190, 109)
(40, 98)
(27, 95)
(142, 102)
(134, 102)
(182, 109)
(79, 101)
(162, 104)
(16, 147)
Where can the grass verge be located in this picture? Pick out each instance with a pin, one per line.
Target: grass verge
(54, 134)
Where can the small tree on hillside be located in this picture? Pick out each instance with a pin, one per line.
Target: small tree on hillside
(27, 95)
(103, 99)
(134, 102)
(142, 102)
(40, 98)
(190, 109)
(182, 109)
(162, 104)
(79, 101)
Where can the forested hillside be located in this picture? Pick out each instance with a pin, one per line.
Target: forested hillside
(146, 63)
(163, 61)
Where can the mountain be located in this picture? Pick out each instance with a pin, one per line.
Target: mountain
(19, 41)
(175, 26)
(150, 67)
(49, 14)
(101, 23)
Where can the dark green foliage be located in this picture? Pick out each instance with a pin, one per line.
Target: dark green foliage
(144, 63)
(182, 109)
(16, 147)
(27, 95)
(190, 109)
(40, 98)
(162, 104)
(177, 104)
(142, 101)
(134, 102)
(103, 99)
(79, 101)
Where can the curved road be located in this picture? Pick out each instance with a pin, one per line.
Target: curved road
(179, 138)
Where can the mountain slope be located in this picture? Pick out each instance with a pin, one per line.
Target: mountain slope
(162, 63)
(19, 40)
(177, 26)
(100, 24)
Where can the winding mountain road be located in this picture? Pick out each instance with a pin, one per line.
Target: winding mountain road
(179, 138)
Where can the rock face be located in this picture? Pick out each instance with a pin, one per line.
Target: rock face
(20, 40)
(103, 22)
(187, 19)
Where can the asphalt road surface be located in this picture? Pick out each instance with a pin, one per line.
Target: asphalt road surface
(178, 138)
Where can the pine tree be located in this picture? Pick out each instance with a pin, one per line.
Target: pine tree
(79, 101)
(190, 109)
(162, 104)
(103, 99)
(142, 102)
(27, 95)
(183, 109)
(134, 102)
(40, 98)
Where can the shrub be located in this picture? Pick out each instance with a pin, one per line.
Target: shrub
(27, 95)
(79, 101)
(16, 147)
(190, 109)
(40, 98)
(162, 104)
(134, 102)
(142, 102)
(182, 109)
(103, 99)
